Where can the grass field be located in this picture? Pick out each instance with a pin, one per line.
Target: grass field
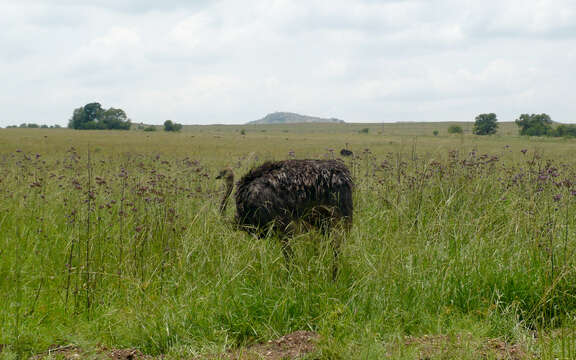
(462, 246)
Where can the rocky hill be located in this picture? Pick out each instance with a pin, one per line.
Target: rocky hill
(292, 118)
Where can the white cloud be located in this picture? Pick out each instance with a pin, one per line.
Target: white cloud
(231, 61)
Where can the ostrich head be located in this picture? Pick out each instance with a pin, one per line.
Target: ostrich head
(228, 175)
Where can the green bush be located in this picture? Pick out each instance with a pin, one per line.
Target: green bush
(172, 126)
(455, 129)
(565, 130)
(535, 125)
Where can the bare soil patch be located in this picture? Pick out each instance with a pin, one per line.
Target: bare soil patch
(295, 345)
(504, 350)
(72, 352)
(290, 346)
(432, 346)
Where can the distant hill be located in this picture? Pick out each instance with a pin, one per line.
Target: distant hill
(292, 118)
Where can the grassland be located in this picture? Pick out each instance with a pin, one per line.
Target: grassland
(462, 246)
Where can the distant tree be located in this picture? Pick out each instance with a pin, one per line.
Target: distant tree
(364, 131)
(435, 132)
(150, 128)
(86, 117)
(565, 130)
(32, 126)
(172, 126)
(485, 124)
(93, 117)
(455, 129)
(115, 119)
(535, 124)
(44, 126)
(243, 132)
(23, 126)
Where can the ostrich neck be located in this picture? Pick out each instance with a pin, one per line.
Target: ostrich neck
(229, 186)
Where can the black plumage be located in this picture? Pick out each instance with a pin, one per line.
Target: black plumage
(315, 191)
(276, 194)
(346, 152)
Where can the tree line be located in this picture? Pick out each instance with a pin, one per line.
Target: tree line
(33, 126)
(528, 124)
(93, 116)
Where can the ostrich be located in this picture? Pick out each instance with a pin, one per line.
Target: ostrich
(276, 195)
(346, 152)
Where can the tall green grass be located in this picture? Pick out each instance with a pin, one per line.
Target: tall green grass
(125, 247)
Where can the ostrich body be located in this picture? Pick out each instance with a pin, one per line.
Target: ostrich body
(346, 152)
(277, 194)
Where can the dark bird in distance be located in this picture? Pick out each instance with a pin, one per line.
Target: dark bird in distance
(346, 152)
(279, 194)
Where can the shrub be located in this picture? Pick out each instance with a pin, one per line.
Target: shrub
(435, 132)
(565, 130)
(535, 125)
(455, 129)
(172, 126)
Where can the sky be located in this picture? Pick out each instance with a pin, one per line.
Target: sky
(231, 61)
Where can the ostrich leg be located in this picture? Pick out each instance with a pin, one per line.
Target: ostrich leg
(287, 250)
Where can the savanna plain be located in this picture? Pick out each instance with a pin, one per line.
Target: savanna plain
(462, 246)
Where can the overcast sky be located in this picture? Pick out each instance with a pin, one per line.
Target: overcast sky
(232, 61)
